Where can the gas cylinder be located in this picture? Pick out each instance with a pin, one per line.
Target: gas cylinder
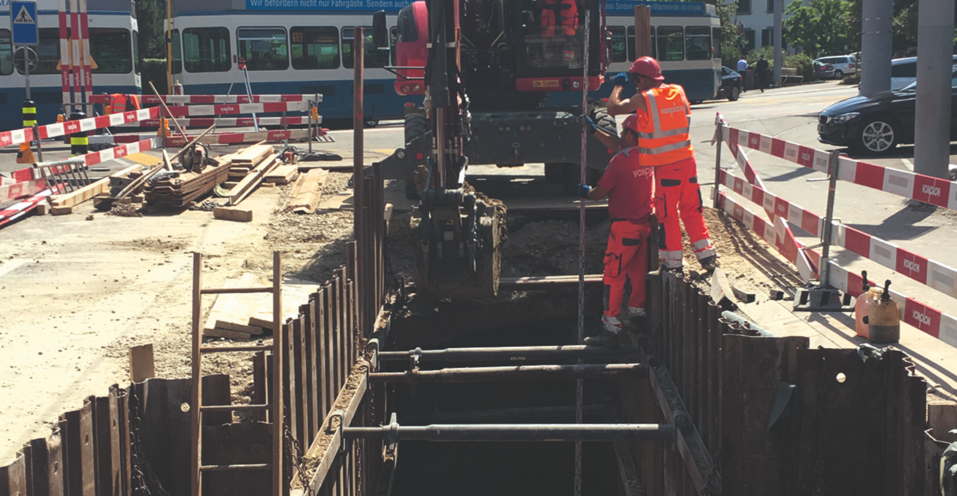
(884, 319)
(862, 307)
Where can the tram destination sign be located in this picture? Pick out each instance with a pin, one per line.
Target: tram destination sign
(328, 5)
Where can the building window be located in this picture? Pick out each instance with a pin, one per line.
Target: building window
(263, 48)
(6, 53)
(176, 48)
(368, 58)
(767, 37)
(315, 47)
(618, 51)
(744, 7)
(748, 35)
(770, 6)
(206, 49)
(671, 43)
(110, 49)
(698, 41)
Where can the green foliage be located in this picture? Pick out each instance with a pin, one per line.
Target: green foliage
(821, 28)
(151, 19)
(754, 55)
(852, 79)
(154, 70)
(731, 39)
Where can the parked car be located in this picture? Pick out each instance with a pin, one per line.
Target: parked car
(732, 84)
(822, 70)
(904, 71)
(843, 64)
(875, 125)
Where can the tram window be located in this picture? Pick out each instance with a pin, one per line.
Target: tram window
(393, 36)
(314, 47)
(716, 41)
(618, 51)
(631, 43)
(206, 49)
(136, 52)
(263, 48)
(698, 40)
(670, 43)
(6, 53)
(110, 49)
(48, 52)
(177, 52)
(368, 60)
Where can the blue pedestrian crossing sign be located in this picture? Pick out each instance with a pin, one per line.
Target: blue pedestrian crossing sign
(23, 20)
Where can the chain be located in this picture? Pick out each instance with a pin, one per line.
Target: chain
(140, 463)
(295, 454)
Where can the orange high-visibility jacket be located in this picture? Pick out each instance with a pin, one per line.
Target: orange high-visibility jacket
(664, 132)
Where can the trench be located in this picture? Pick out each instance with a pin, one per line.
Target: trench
(506, 468)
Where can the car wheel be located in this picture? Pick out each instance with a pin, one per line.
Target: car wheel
(734, 93)
(877, 136)
(839, 74)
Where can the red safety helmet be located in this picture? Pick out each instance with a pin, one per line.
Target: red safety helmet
(648, 67)
(631, 122)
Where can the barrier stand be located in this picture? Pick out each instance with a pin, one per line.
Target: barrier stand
(36, 134)
(80, 140)
(25, 155)
(822, 297)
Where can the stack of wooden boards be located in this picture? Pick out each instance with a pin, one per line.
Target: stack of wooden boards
(63, 204)
(249, 316)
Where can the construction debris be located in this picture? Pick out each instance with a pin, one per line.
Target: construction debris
(283, 174)
(306, 193)
(125, 210)
(91, 190)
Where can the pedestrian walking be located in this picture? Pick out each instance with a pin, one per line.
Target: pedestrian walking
(762, 73)
(628, 186)
(664, 117)
(743, 69)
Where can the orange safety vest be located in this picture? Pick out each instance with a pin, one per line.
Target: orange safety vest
(117, 103)
(559, 12)
(664, 132)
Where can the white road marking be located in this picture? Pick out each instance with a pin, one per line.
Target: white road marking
(908, 164)
(11, 265)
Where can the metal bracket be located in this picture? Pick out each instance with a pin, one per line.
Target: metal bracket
(821, 299)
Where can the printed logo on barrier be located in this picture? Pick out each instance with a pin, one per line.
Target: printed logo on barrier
(931, 190)
(71, 127)
(911, 265)
(806, 156)
(922, 317)
(754, 140)
(780, 208)
(227, 109)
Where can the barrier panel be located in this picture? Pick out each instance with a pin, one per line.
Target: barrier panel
(921, 269)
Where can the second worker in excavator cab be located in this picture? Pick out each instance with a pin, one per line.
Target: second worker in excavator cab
(664, 142)
(559, 25)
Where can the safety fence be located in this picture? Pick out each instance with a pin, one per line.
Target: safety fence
(916, 267)
(777, 416)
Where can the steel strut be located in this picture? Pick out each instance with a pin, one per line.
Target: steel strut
(581, 249)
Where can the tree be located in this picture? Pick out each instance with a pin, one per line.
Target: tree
(151, 17)
(820, 28)
(730, 41)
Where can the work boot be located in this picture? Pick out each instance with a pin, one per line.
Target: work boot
(636, 319)
(709, 263)
(677, 270)
(610, 327)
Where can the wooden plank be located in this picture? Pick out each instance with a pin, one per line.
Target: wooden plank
(235, 214)
(141, 363)
(234, 308)
(254, 177)
(89, 191)
(282, 174)
(306, 193)
(61, 210)
(223, 333)
(232, 326)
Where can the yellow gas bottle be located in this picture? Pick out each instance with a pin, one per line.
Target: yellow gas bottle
(884, 319)
(862, 307)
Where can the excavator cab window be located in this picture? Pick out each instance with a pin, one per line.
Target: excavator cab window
(554, 41)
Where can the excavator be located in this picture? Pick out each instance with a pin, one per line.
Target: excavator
(501, 82)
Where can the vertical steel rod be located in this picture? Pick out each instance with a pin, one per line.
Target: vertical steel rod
(277, 347)
(581, 248)
(196, 432)
(358, 175)
(832, 167)
(719, 133)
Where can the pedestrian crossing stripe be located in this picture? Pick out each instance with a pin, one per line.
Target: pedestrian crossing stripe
(24, 17)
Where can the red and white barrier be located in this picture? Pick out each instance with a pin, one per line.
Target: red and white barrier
(9, 138)
(237, 108)
(24, 207)
(120, 151)
(932, 190)
(14, 191)
(223, 138)
(204, 122)
(213, 99)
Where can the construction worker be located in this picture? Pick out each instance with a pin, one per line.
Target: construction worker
(664, 117)
(628, 187)
(563, 14)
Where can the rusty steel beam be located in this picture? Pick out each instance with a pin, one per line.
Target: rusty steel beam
(517, 373)
(514, 432)
(511, 353)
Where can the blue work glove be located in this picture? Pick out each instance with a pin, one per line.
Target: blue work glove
(583, 190)
(621, 79)
(590, 126)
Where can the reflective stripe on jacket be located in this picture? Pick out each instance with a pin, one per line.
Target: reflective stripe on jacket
(664, 132)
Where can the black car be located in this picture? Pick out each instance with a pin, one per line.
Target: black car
(876, 124)
(732, 84)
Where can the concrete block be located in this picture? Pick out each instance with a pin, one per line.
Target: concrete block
(235, 214)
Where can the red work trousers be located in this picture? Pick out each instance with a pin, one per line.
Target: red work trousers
(677, 195)
(626, 265)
